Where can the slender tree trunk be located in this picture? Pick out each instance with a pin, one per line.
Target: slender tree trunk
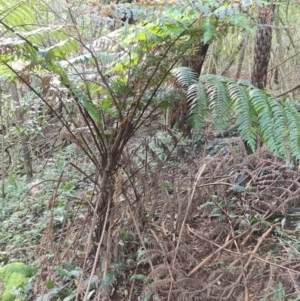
(242, 56)
(2, 158)
(262, 48)
(235, 54)
(24, 143)
(283, 84)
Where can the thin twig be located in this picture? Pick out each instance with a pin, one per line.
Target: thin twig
(200, 172)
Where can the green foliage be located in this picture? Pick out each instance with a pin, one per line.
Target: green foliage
(209, 30)
(14, 276)
(13, 12)
(148, 296)
(131, 68)
(131, 64)
(279, 292)
(67, 273)
(14, 185)
(113, 275)
(108, 279)
(140, 277)
(259, 115)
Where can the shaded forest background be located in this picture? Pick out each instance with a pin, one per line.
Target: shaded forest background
(149, 150)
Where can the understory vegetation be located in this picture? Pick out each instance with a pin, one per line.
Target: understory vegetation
(141, 159)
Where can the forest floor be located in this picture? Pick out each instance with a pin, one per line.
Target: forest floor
(193, 219)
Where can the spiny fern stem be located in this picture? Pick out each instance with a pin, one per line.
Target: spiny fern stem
(91, 111)
(137, 125)
(103, 78)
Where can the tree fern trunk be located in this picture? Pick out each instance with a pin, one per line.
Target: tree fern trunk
(107, 185)
(262, 48)
(196, 61)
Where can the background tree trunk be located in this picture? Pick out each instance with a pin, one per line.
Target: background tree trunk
(24, 143)
(262, 48)
(242, 56)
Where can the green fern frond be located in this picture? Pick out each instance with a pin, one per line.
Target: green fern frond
(60, 50)
(281, 130)
(209, 30)
(213, 77)
(264, 112)
(185, 76)
(240, 21)
(257, 98)
(92, 88)
(246, 117)
(37, 36)
(15, 67)
(214, 99)
(14, 13)
(120, 86)
(143, 33)
(293, 119)
(199, 111)
(219, 103)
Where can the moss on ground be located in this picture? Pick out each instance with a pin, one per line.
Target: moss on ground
(13, 276)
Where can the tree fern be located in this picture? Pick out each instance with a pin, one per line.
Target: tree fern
(259, 115)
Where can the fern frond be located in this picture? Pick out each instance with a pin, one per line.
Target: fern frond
(281, 129)
(199, 111)
(16, 13)
(185, 76)
(209, 30)
(92, 88)
(214, 77)
(219, 102)
(215, 98)
(60, 50)
(141, 34)
(240, 21)
(265, 116)
(104, 59)
(246, 116)
(293, 120)
(37, 36)
(75, 91)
